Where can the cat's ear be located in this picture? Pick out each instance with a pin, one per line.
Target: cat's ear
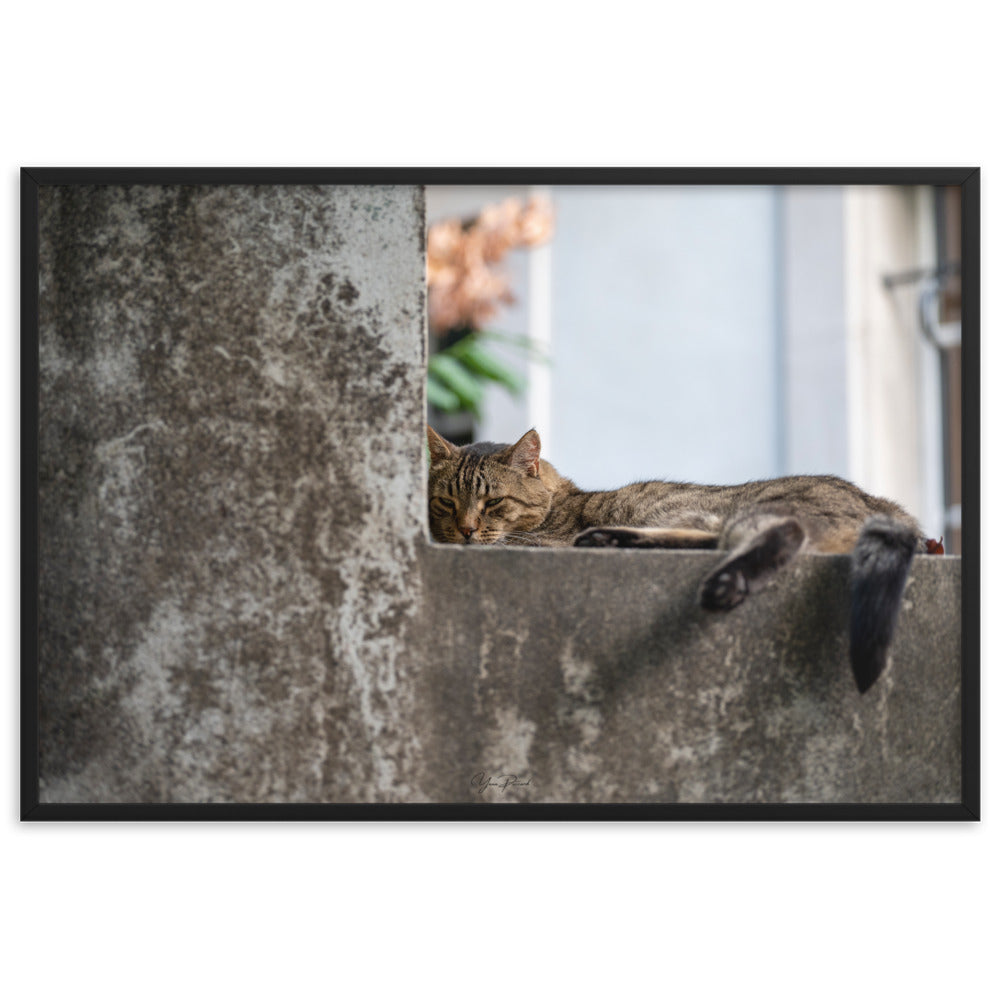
(523, 456)
(439, 448)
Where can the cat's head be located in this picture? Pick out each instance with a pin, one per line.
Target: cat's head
(484, 494)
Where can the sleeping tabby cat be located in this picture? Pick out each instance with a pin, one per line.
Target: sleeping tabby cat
(496, 494)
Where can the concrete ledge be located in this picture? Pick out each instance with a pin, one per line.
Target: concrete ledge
(597, 676)
(239, 603)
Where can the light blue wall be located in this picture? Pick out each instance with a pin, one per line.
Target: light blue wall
(665, 326)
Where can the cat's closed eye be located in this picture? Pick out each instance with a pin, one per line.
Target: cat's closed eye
(446, 502)
(494, 501)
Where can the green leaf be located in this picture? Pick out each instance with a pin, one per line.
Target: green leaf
(441, 396)
(532, 348)
(473, 355)
(459, 379)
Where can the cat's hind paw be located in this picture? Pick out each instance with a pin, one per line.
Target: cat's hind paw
(723, 590)
(608, 538)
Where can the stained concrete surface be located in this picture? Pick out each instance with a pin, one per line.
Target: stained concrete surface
(597, 675)
(238, 601)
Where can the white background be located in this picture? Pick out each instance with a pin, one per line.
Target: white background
(585, 910)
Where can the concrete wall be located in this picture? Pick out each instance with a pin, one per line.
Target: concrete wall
(231, 390)
(239, 602)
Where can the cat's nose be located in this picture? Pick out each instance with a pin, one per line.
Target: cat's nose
(466, 530)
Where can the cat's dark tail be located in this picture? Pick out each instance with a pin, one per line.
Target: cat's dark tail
(880, 563)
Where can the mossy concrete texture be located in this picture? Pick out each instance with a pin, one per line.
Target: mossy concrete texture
(239, 602)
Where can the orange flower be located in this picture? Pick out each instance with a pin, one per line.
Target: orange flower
(463, 289)
(536, 223)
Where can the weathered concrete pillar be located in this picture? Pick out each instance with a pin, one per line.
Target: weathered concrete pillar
(231, 378)
(239, 602)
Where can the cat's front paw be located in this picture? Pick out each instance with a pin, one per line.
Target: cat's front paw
(723, 590)
(607, 538)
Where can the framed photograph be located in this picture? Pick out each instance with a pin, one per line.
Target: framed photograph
(500, 494)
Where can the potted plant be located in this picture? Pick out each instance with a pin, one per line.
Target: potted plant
(466, 290)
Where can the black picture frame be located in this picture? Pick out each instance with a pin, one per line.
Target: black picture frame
(968, 179)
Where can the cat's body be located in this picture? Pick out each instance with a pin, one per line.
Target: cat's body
(491, 494)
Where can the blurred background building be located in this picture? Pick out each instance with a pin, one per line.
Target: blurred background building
(721, 334)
